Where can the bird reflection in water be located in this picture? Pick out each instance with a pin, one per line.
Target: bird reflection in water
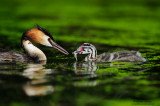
(85, 70)
(37, 75)
(85, 67)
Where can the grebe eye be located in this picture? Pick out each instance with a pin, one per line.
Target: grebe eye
(49, 39)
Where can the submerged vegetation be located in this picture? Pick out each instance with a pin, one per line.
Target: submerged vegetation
(110, 25)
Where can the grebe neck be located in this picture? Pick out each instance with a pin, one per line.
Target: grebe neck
(93, 54)
(34, 52)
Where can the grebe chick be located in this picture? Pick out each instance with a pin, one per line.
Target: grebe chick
(33, 54)
(124, 56)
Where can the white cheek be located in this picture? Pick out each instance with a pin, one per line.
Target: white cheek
(26, 43)
(90, 51)
(45, 41)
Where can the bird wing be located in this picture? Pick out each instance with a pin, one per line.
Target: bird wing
(103, 57)
(125, 56)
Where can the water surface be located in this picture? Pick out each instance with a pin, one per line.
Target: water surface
(63, 81)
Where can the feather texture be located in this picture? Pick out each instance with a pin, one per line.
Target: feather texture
(13, 56)
(124, 56)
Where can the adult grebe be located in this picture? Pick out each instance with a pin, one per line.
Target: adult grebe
(124, 56)
(33, 54)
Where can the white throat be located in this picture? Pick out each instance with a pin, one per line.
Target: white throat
(33, 51)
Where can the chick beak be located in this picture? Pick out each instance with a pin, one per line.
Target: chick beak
(56, 46)
(79, 50)
(76, 52)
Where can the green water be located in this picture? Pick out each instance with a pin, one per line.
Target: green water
(110, 25)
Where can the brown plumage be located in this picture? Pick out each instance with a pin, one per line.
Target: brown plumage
(33, 35)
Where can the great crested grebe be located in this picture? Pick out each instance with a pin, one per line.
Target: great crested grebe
(124, 56)
(33, 54)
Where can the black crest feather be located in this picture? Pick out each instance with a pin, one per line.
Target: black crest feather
(45, 31)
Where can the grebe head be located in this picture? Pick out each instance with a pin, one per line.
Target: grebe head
(42, 36)
(85, 48)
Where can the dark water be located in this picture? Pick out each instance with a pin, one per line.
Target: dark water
(62, 81)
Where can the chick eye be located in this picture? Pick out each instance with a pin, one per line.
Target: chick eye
(29, 42)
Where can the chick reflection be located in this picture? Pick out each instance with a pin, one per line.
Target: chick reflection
(85, 67)
(85, 70)
(37, 74)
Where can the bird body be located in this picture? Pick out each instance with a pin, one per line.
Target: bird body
(124, 56)
(33, 54)
(13, 56)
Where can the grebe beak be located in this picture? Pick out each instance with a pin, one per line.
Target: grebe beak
(58, 47)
